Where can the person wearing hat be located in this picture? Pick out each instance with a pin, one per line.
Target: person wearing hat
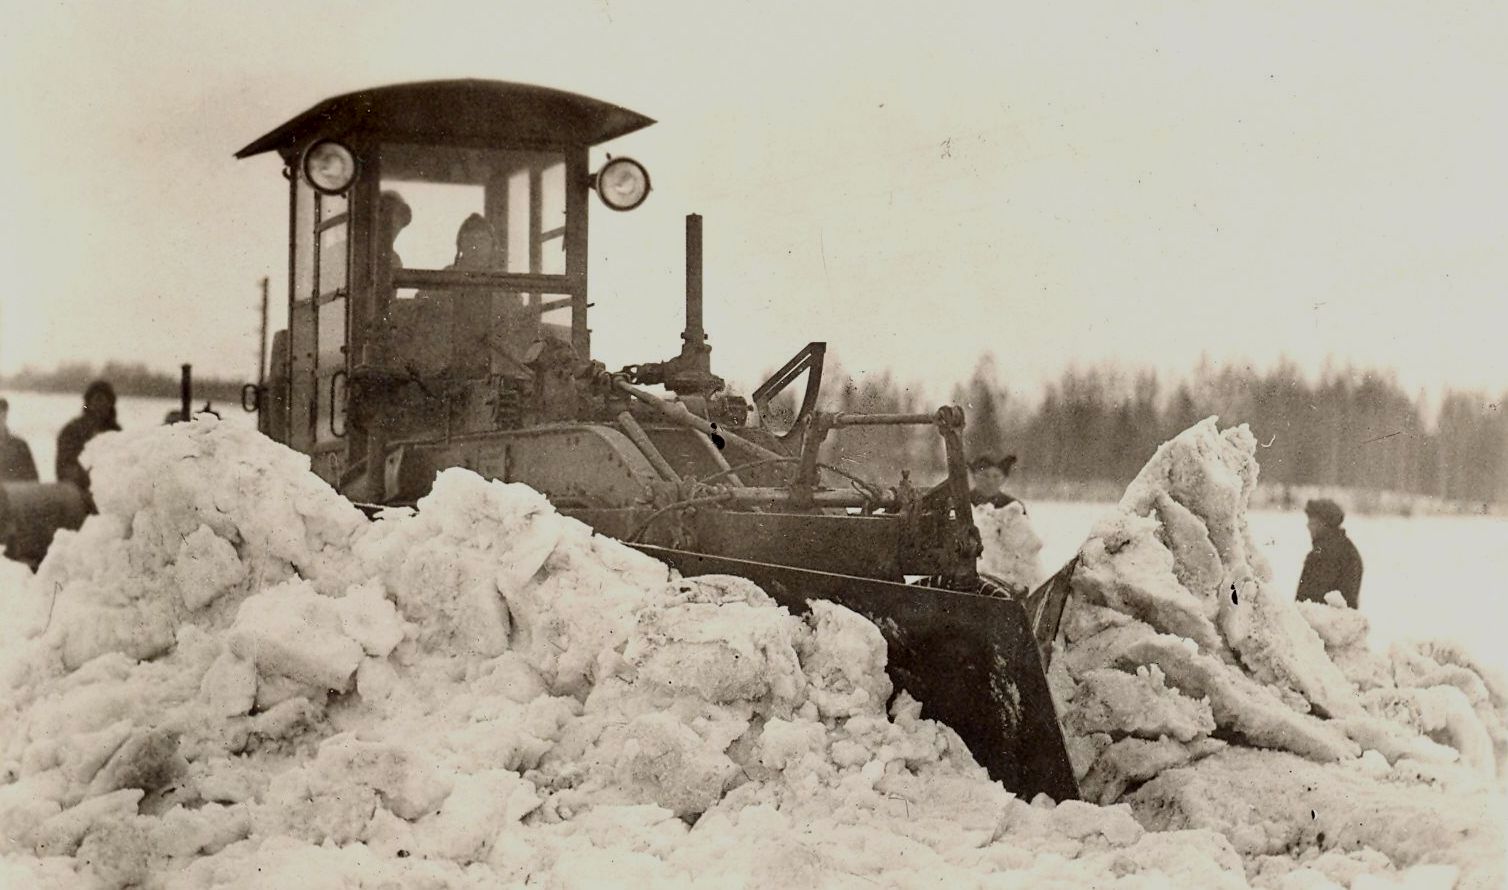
(98, 417)
(16, 464)
(394, 215)
(1333, 563)
(987, 477)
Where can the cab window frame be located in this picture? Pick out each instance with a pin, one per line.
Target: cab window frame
(572, 232)
(497, 201)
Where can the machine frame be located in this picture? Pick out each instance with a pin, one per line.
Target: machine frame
(693, 475)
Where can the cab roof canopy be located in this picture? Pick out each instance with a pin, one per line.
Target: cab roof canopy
(456, 111)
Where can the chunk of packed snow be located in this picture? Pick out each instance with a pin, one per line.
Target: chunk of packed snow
(206, 566)
(1138, 704)
(1012, 550)
(1173, 583)
(1272, 802)
(1125, 568)
(291, 631)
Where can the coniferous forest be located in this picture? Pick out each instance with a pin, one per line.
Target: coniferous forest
(128, 379)
(1091, 430)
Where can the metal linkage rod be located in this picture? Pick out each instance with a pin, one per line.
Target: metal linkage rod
(758, 495)
(682, 415)
(884, 419)
(640, 438)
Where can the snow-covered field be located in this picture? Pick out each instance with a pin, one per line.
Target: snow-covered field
(38, 417)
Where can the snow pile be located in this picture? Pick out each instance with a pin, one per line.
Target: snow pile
(229, 678)
(16, 576)
(1011, 546)
(1191, 689)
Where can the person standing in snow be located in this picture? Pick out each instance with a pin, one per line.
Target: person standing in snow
(987, 478)
(1334, 563)
(98, 417)
(16, 464)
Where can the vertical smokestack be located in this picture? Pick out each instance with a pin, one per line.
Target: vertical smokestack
(690, 373)
(695, 336)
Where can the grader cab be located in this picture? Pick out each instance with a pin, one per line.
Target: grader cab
(438, 317)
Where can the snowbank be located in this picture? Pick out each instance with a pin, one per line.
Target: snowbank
(1193, 690)
(242, 683)
(230, 679)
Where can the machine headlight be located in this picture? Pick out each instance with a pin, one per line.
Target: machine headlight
(329, 167)
(622, 183)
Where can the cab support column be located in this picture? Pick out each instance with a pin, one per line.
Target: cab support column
(366, 355)
(577, 176)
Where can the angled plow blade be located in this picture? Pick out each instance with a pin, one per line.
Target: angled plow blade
(1044, 607)
(971, 660)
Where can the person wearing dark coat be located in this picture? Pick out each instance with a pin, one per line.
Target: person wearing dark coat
(98, 417)
(987, 475)
(16, 463)
(1333, 563)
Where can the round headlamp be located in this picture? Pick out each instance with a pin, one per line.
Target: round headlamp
(622, 183)
(329, 167)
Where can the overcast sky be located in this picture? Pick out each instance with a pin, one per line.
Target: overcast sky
(915, 183)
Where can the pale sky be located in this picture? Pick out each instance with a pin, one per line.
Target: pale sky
(915, 183)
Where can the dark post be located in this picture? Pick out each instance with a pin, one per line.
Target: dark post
(262, 344)
(186, 392)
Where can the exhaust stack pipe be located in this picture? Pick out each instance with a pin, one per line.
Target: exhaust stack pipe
(690, 372)
(695, 349)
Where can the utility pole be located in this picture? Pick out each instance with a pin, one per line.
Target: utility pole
(262, 342)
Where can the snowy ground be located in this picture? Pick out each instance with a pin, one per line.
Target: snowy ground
(38, 417)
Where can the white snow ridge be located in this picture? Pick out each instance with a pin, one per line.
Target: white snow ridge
(229, 678)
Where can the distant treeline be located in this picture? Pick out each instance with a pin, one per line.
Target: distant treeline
(1094, 428)
(127, 379)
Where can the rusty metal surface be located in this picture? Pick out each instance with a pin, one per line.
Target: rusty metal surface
(686, 449)
(679, 413)
(865, 546)
(583, 463)
(971, 660)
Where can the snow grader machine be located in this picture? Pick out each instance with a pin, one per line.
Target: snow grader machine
(438, 318)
